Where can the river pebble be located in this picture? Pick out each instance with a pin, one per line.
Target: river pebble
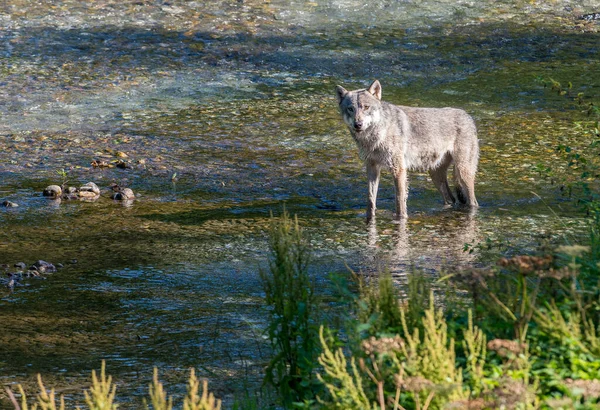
(52, 191)
(44, 267)
(123, 194)
(90, 187)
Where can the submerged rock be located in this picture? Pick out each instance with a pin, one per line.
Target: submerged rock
(13, 280)
(41, 267)
(87, 194)
(123, 165)
(52, 191)
(70, 193)
(89, 187)
(44, 267)
(123, 194)
(98, 163)
(37, 270)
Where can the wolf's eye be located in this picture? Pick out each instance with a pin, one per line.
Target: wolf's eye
(366, 107)
(350, 109)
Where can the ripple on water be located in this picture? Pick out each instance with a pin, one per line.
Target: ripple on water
(225, 110)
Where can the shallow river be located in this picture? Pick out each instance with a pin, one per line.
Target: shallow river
(225, 111)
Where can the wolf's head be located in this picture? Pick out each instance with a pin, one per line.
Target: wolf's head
(360, 109)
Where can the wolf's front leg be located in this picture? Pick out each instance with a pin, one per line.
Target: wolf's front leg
(373, 172)
(401, 184)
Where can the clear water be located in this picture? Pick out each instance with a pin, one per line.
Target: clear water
(225, 112)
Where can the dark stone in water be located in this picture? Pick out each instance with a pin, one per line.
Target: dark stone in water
(123, 194)
(53, 191)
(123, 165)
(590, 16)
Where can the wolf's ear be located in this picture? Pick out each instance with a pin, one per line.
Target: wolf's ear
(341, 92)
(375, 89)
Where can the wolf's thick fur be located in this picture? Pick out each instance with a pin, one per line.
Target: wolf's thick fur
(410, 138)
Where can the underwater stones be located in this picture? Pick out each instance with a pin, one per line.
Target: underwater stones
(43, 267)
(52, 191)
(590, 17)
(37, 270)
(98, 163)
(88, 192)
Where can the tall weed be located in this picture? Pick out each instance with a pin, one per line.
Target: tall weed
(102, 395)
(292, 329)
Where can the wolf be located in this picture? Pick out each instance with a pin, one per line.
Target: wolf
(410, 138)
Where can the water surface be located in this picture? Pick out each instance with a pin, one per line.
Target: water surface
(225, 111)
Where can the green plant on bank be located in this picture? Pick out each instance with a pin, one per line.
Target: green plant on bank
(419, 370)
(102, 394)
(194, 401)
(44, 400)
(534, 341)
(292, 330)
(511, 295)
(158, 395)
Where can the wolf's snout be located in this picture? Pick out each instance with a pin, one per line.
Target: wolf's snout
(358, 125)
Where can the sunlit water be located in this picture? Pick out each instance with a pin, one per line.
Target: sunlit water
(225, 112)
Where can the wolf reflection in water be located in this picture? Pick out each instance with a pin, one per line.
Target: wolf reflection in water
(433, 247)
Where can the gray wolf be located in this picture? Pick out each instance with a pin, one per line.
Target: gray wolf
(409, 138)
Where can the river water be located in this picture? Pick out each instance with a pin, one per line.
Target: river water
(225, 111)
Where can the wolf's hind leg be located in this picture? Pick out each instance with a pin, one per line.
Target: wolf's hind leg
(464, 180)
(439, 176)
